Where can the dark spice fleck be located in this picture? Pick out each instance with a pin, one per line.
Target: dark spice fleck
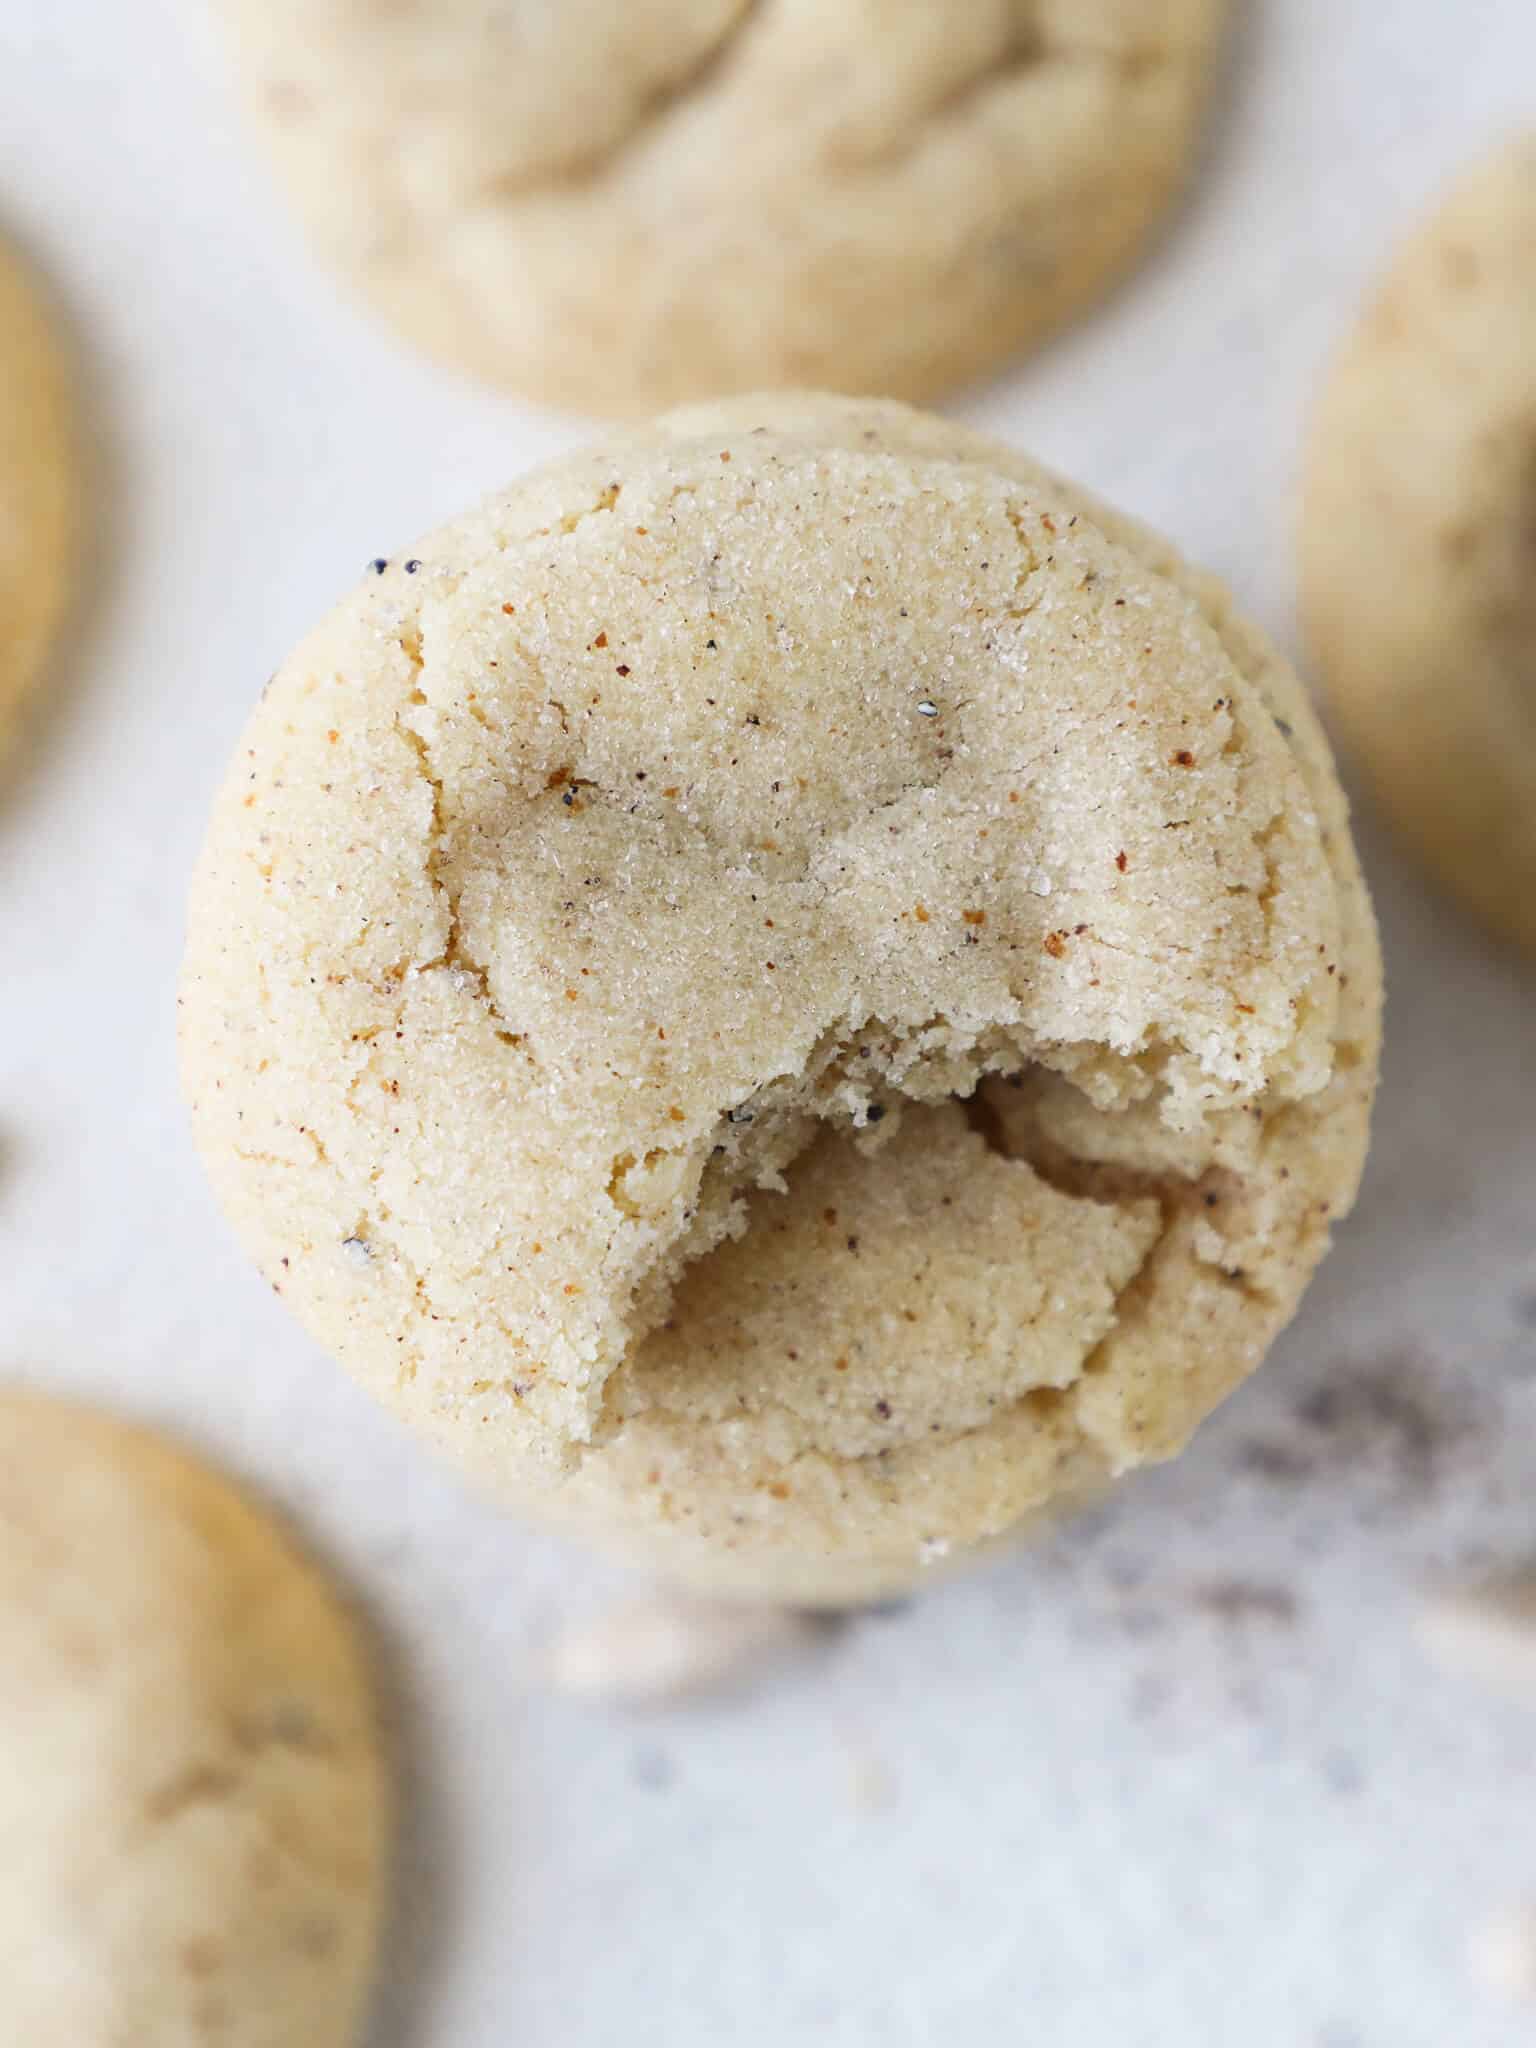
(412, 566)
(874, 1113)
(883, 1410)
(1238, 1600)
(378, 565)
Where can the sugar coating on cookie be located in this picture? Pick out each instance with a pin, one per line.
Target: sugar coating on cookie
(37, 485)
(787, 988)
(1418, 541)
(615, 208)
(191, 1794)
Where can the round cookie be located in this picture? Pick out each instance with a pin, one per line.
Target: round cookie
(614, 907)
(37, 486)
(191, 1794)
(1418, 541)
(615, 208)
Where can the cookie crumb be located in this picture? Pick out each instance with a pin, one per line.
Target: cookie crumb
(1486, 1632)
(663, 1648)
(1502, 1953)
(872, 1783)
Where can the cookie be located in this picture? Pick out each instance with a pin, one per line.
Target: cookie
(1418, 542)
(613, 209)
(191, 1794)
(37, 486)
(618, 915)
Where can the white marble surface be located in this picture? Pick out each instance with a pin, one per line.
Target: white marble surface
(1077, 1799)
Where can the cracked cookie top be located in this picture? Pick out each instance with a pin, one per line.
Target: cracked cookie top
(616, 909)
(614, 207)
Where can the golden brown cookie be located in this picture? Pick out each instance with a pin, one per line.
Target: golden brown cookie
(38, 486)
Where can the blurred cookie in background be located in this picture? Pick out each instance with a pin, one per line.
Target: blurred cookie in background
(192, 1798)
(38, 484)
(1418, 541)
(612, 208)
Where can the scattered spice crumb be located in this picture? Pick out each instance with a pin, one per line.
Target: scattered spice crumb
(1502, 1952)
(1243, 1600)
(1390, 1422)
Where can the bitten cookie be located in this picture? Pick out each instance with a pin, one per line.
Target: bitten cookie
(191, 1795)
(791, 990)
(614, 208)
(37, 486)
(1418, 541)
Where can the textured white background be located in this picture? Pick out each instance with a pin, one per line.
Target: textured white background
(1070, 1800)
